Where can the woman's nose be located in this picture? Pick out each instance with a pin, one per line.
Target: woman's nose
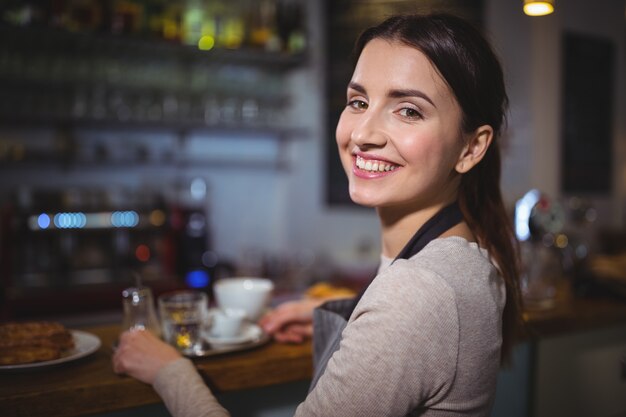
(368, 131)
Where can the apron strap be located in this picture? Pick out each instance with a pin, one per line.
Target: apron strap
(441, 222)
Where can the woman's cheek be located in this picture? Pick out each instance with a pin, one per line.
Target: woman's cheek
(342, 136)
(342, 132)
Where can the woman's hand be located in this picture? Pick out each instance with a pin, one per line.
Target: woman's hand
(291, 322)
(142, 355)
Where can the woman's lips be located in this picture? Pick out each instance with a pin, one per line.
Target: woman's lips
(372, 168)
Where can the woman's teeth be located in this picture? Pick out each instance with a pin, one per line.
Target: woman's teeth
(373, 165)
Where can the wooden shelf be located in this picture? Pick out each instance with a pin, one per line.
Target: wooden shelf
(138, 47)
(53, 78)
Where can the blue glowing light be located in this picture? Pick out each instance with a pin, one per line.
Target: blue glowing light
(69, 220)
(197, 278)
(124, 218)
(43, 221)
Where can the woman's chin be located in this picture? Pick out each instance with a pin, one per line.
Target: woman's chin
(363, 199)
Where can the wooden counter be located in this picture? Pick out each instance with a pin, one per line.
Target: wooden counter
(89, 385)
(573, 314)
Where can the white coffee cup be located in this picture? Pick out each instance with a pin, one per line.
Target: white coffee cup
(227, 322)
(251, 294)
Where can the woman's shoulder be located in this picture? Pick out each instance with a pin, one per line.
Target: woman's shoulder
(446, 269)
(453, 256)
(441, 254)
(454, 245)
(404, 283)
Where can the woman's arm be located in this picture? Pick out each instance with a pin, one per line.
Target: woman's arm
(142, 355)
(145, 357)
(291, 322)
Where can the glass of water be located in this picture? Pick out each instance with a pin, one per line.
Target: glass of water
(182, 318)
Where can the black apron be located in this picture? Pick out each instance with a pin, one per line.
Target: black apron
(331, 318)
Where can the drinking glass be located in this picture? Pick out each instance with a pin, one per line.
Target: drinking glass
(139, 310)
(182, 317)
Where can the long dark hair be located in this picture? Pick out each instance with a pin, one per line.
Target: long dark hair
(467, 63)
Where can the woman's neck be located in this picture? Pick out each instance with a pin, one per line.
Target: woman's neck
(397, 227)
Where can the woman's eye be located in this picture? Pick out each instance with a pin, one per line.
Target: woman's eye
(357, 104)
(410, 113)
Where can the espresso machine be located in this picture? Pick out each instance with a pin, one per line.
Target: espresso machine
(64, 252)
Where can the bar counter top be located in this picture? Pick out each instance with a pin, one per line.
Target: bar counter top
(574, 314)
(88, 385)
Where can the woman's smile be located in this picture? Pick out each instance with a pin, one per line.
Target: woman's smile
(372, 167)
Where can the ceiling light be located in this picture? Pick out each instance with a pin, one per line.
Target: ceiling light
(538, 8)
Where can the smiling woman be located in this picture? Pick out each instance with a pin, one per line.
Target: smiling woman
(401, 112)
(418, 141)
(463, 71)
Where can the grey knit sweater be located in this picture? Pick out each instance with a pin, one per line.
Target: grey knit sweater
(423, 341)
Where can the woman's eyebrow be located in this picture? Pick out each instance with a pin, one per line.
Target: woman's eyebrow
(396, 93)
(410, 93)
(357, 87)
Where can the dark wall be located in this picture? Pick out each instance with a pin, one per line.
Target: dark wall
(588, 88)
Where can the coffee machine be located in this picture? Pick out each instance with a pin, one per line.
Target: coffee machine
(63, 252)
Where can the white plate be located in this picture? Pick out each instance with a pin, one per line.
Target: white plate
(250, 332)
(84, 344)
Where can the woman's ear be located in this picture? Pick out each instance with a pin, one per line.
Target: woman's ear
(475, 148)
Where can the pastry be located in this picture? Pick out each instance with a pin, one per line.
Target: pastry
(33, 341)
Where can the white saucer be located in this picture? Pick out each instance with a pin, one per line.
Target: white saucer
(250, 332)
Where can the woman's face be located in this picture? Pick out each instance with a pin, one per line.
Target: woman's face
(399, 136)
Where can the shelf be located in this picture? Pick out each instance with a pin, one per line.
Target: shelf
(137, 48)
(209, 164)
(181, 127)
(51, 77)
(83, 88)
(177, 153)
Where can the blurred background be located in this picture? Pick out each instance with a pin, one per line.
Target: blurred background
(180, 141)
(177, 142)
